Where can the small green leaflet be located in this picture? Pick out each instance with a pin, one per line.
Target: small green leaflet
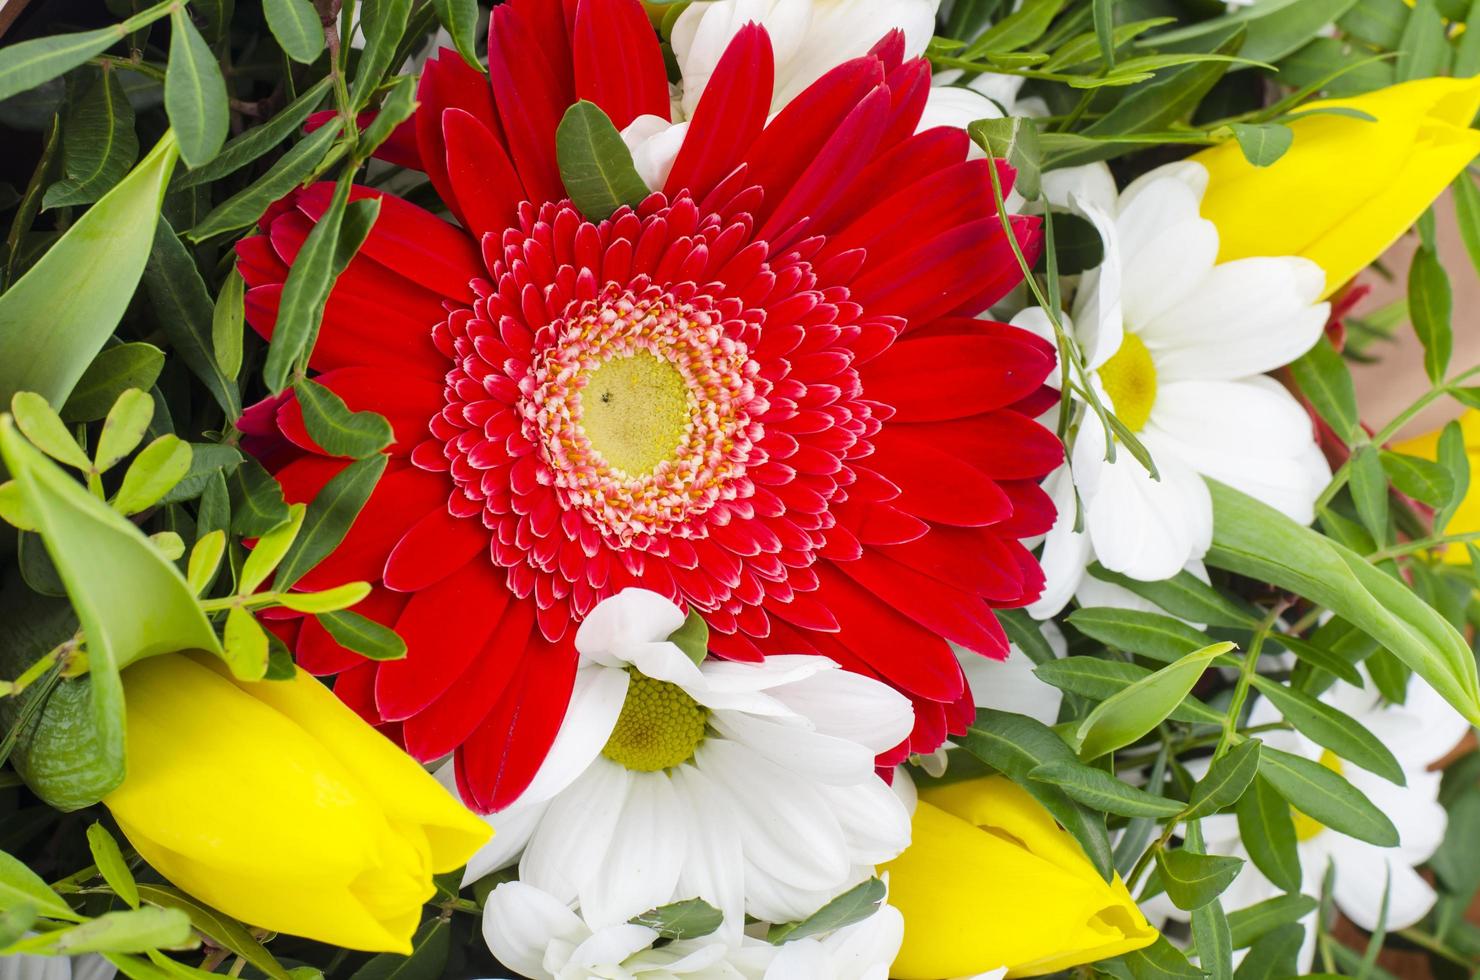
(111, 865)
(1225, 782)
(1264, 143)
(595, 163)
(1430, 305)
(460, 17)
(1194, 880)
(115, 370)
(1131, 713)
(335, 428)
(363, 635)
(854, 905)
(691, 919)
(98, 142)
(692, 637)
(1015, 140)
(1100, 790)
(1327, 798)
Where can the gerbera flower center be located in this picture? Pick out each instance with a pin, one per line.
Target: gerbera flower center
(1129, 378)
(634, 411)
(660, 726)
(1306, 827)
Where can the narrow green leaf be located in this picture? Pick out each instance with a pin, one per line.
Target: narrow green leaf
(329, 518)
(205, 559)
(1467, 53)
(19, 885)
(1131, 713)
(854, 905)
(1456, 462)
(595, 163)
(194, 92)
(1017, 30)
(257, 504)
(1467, 210)
(223, 930)
(111, 864)
(1430, 305)
(158, 467)
(384, 22)
(1194, 880)
(1369, 489)
(1248, 924)
(55, 318)
(258, 140)
(363, 635)
(1104, 15)
(245, 643)
(335, 428)
(460, 18)
(330, 600)
(1027, 635)
(1211, 936)
(1098, 680)
(1099, 790)
(1423, 47)
(1185, 596)
(691, 919)
(1226, 781)
(1135, 631)
(115, 370)
(1332, 729)
(46, 430)
(297, 28)
(1263, 143)
(428, 959)
(133, 931)
(1319, 657)
(397, 107)
(228, 323)
(246, 206)
(28, 64)
(1160, 961)
(269, 551)
(1274, 954)
(124, 428)
(1323, 378)
(1327, 798)
(1420, 479)
(98, 142)
(207, 460)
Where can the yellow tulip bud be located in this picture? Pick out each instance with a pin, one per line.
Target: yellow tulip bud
(1466, 519)
(276, 804)
(1348, 187)
(990, 880)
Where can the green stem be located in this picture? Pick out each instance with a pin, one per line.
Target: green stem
(1421, 544)
(1245, 678)
(1435, 946)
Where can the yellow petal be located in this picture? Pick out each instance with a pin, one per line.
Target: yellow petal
(1348, 187)
(1466, 519)
(978, 898)
(405, 791)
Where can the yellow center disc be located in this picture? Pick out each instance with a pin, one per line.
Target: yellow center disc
(659, 727)
(635, 411)
(1130, 380)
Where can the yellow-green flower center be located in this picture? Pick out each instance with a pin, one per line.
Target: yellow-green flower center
(635, 411)
(659, 727)
(1129, 378)
(1307, 828)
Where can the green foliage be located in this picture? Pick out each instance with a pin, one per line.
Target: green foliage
(595, 164)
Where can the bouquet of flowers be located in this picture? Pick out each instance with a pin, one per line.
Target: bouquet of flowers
(769, 489)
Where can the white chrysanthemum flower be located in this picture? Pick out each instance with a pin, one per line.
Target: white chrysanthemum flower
(27, 967)
(534, 933)
(1178, 344)
(1418, 732)
(751, 786)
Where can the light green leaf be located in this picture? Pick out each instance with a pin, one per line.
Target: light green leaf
(330, 600)
(691, 919)
(1194, 880)
(1226, 781)
(1185, 596)
(1323, 377)
(595, 163)
(460, 17)
(1131, 713)
(228, 322)
(270, 549)
(1263, 143)
(158, 467)
(1017, 30)
(223, 930)
(205, 559)
(123, 429)
(854, 905)
(194, 92)
(1253, 539)
(13, 507)
(19, 885)
(1430, 305)
(1369, 489)
(1160, 961)
(1332, 729)
(207, 460)
(55, 318)
(134, 931)
(44, 427)
(1099, 790)
(1327, 798)
(112, 372)
(245, 644)
(1248, 924)
(1456, 462)
(98, 142)
(30, 63)
(335, 428)
(363, 635)
(1098, 680)
(296, 25)
(111, 865)
(1135, 631)
(329, 518)
(1467, 211)
(692, 637)
(169, 544)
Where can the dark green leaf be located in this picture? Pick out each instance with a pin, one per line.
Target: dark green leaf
(1099, 790)
(692, 637)
(1268, 831)
(337, 430)
(854, 905)
(194, 92)
(1077, 244)
(258, 140)
(1377, 22)
(114, 371)
(1456, 462)
(1194, 880)
(330, 516)
(1160, 961)
(384, 22)
(1248, 924)
(428, 959)
(395, 108)
(1323, 378)
(27, 64)
(1369, 488)
(1263, 143)
(1135, 631)
(1430, 304)
(691, 919)
(297, 28)
(1327, 798)
(1211, 936)
(460, 17)
(1014, 139)
(257, 504)
(1423, 48)
(595, 163)
(1185, 596)
(228, 321)
(1320, 657)
(363, 635)
(1274, 954)
(246, 206)
(1104, 30)
(1016, 30)
(1226, 781)
(1328, 727)
(1026, 635)
(185, 310)
(98, 142)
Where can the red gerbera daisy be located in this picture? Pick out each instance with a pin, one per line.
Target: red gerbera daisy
(759, 393)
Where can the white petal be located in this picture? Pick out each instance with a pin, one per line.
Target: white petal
(1010, 685)
(612, 945)
(850, 706)
(654, 142)
(1361, 874)
(577, 830)
(957, 108)
(1066, 552)
(822, 759)
(875, 821)
(1092, 183)
(715, 867)
(1194, 176)
(519, 922)
(512, 830)
(595, 704)
(648, 846)
(845, 29)
(866, 948)
(1099, 307)
(1166, 249)
(804, 959)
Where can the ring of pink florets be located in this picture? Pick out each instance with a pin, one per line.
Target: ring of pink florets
(722, 408)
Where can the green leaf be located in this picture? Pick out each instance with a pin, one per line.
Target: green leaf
(692, 919)
(595, 163)
(329, 518)
(854, 905)
(111, 864)
(383, 22)
(1420, 479)
(228, 323)
(1467, 211)
(1026, 635)
(55, 318)
(205, 559)
(428, 959)
(1369, 489)
(1160, 961)
(1263, 143)
(325, 253)
(1077, 245)
(19, 885)
(297, 28)
(44, 427)
(363, 635)
(124, 428)
(1194, 880)
(1185, 596)
(30, 63)
(98, 142)
(1377, 22)
(1327, 798)
(1014, 139)
(13, 507)
(257, 504)
(1323, 378)
(1211, 936)
(1332, 729)
(1430, 305)
(186, 312)
(194, 92)
(1015, 745)
(1274, 954)
(337, 430)
(1467, 53)
(15, 923)
(1226, 781)
(133, 931)
(1136, 631)
(207, 459)
(460, 17)
(1098, 680)
(1099, 790)
(1017, 30)
(259, 140)
(1319, 657)
(330, 600)
(245, 643)
(1253, 539)
(1456, 462)
(221, 929)
(1423, 47)
(1248, 924)
(692, 637)
(270, 549)
(397, 107)
(158, 467)
(246, 206)
(1129, 714)
(1105, 30)
(115, 370)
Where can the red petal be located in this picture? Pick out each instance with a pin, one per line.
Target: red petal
(1033, 511)
(935, 483)
(448, 82)
(399, 148)
(353, 333)
(730, 116)
(483, 180)
(968, 560)
(950, 377)
(320, 654)
(356, 688)
(964, 270)
(618, 63)
(1003, 444)
(532, 87)
(402, 497)
(408, 403)
(958, 616)
(435, 547)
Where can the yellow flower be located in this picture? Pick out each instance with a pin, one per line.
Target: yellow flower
(276, 804)
(1466, 519)
(990, 880)
(1348, 187)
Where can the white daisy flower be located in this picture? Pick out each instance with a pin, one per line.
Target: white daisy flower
(751, 786)
(1177, 344)
(1418, 732)
(91, 966)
